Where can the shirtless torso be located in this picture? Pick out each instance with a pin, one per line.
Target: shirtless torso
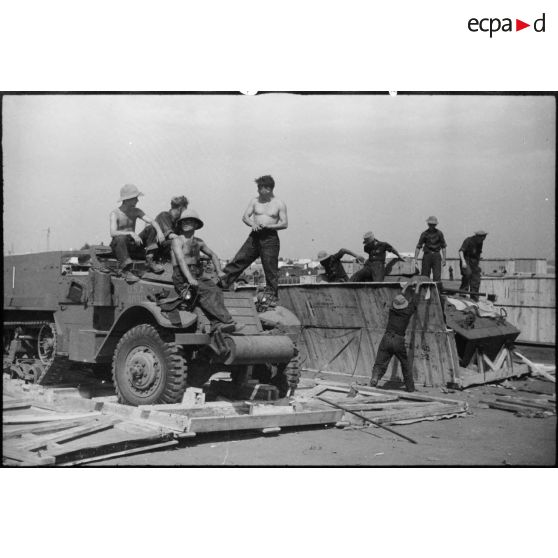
(190, 249)
(266, 213)
(125, 218)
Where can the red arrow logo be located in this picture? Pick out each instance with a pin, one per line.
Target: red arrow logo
(519, 25)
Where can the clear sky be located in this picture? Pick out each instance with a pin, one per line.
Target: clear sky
(342, 164)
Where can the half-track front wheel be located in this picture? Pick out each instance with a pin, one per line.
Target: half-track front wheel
(146, 369)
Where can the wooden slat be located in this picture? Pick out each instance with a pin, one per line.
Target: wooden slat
(8, 433)
(258, 422)
(27, 457)
(33, 419)
(113, 455)
(69, 434)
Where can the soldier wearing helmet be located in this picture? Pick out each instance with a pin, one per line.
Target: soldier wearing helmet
(432, 241)
(469, 262)
(334, 270)
(125, 242)
(188, 272)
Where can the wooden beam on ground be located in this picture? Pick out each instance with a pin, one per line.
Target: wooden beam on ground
(27, 457)
(41, 428)
(35, 419)
(69, 434)
(124, 453)
(259, 422)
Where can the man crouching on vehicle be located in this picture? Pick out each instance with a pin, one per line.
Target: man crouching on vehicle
(188, 271)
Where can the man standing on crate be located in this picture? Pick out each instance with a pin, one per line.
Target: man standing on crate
(469, 262)
(374, 268)
(393, 341)
(265, 215)
(433, 242)
(334, 270)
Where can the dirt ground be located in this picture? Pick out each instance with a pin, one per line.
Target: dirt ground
(487, 437)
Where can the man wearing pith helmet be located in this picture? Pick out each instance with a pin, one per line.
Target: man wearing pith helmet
(374, 267)
(188, 272)
(393, 342)
(432, 241)
(125, 242)
(469, 262)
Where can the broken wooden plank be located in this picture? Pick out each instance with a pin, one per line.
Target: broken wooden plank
(124, 453)
(81, 449)
(69, 434)
(27, 457)
(523, 403)
(41, 428)
(414, 412)
(509, 407)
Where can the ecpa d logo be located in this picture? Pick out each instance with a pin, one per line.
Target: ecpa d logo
(493, 25)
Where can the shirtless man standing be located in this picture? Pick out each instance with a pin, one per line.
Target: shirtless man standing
(125, 242)
(265, 215)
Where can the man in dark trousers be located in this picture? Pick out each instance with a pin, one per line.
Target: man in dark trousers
(393, 341)
(334, 270)
(433, 242)
(265, 215)
(188, 272)
(125, 242)
(374, 268)
(469, 259)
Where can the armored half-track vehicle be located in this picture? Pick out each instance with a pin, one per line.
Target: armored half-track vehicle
(66, 309)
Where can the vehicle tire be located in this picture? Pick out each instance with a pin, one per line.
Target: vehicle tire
(146, 369)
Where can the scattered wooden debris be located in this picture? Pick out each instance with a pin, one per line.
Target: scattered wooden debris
(538, 369)
(58, 426)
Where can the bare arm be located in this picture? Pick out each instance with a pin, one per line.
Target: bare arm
(214, 258)
(156, 226)
(247, 217)
(394, 251)
(176, 247)
(462, 258)
(283, 221)
(351, 253)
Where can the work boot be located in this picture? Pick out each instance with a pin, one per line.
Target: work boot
(130, 277)
(152, 266)
(229, 327)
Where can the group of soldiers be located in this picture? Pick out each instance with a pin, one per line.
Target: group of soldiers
(431, 242)
(171, 236)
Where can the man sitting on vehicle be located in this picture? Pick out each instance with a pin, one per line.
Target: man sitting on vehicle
(167, 223)
(188, 272)
(125, 242)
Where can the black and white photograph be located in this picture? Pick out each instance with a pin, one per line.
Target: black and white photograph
(279, 279)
